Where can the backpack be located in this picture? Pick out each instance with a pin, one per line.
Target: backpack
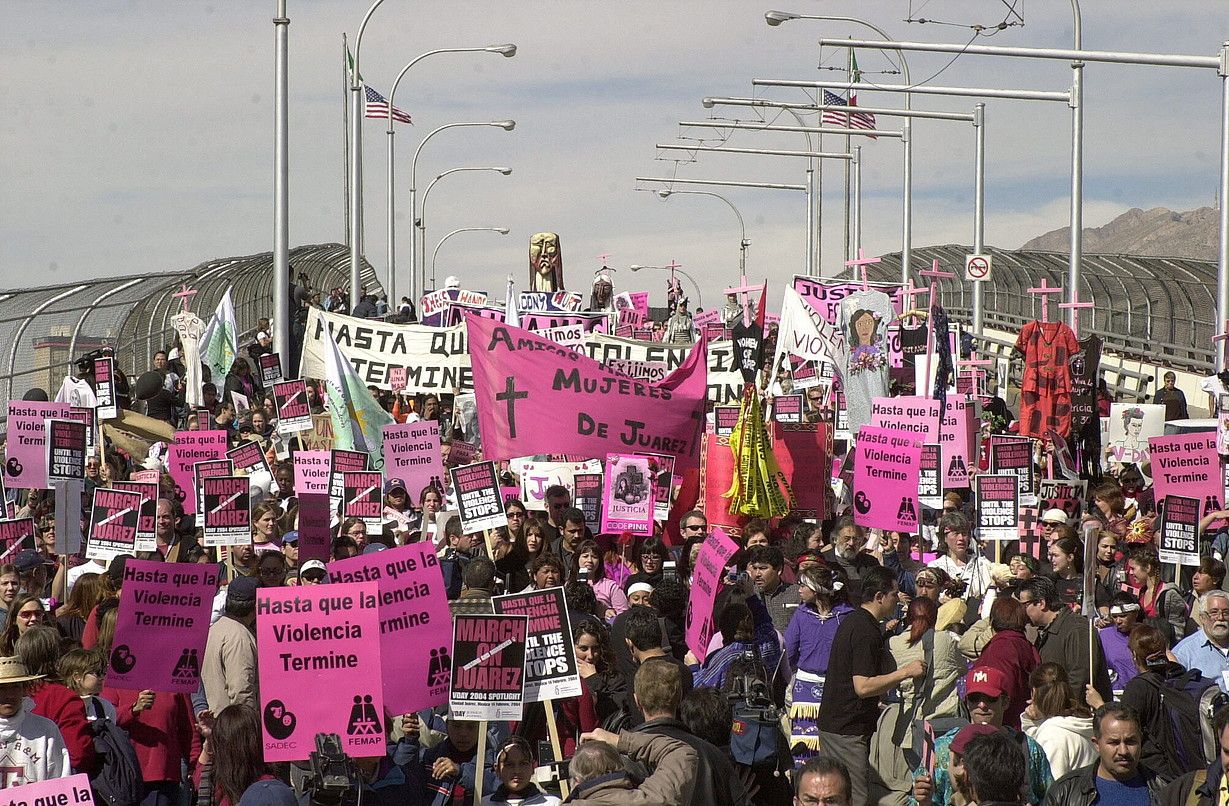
(1188, 701)
(118, 781)
(756, 737)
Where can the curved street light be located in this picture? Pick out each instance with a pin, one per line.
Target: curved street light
(419, 224)
(500, 230)
(418, 253)
(356, 162)
(775, 18)
(508, 50)
(743, 243)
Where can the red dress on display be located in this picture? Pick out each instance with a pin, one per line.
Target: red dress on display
(1045, 393)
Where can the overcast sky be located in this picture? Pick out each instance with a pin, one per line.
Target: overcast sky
(138, 136)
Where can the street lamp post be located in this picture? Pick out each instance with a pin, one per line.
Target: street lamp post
(281, 190)
(508, 50)
(674, 269)
(356, 163)
(743, 243)
(500, 230)
(419, 224)
(775, 18)
(418, 254)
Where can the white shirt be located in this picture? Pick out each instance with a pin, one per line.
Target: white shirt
(975, 573)
(75, 573)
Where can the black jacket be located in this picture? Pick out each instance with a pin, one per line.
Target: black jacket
(1065, 642)
(715, 781)
(1079, 788)
(1205, 783)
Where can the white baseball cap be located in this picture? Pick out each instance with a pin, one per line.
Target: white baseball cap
(1054, 515)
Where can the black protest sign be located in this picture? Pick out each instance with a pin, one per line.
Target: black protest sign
(998, 506)
(363, 498)
(1015, 455)
(315, 536)
(930, 476)
(1180, 531)
(488, 667)
(270, 368)
(227, 510)
(147, 522)
(479, 502)
(294, 413)
(1062, 494)
(104, 388)
(724, 419)
(113, 524)
(16, 535)
(343, 461)
(787, 408)
(206, 469)
(66, 449)
(249, 458)
(587, 497)
(550, 658)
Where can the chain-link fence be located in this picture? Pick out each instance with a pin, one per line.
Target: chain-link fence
(43, 330)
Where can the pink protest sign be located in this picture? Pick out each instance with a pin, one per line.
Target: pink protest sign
(311, 472)
(313, 639)
(1187, 465)
(915, 415)
(885, 481)
(25, 467)
(412, 456)
(958, 437)
(74, 789)
(163, 625)
(711, 316)
(413, 612)
(191, 447)
(627, 502)
(714, 555)
(535, 396)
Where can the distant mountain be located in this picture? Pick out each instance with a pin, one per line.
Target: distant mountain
(1151, 233)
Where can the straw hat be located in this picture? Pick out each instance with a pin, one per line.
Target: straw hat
(12, 670)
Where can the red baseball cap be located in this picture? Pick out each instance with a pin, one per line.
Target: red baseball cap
(986, 680)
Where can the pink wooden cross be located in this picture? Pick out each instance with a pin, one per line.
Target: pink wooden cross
(973, 364)
(741, 291)
(861, 262)
(185, 293)
(1223, 336)
(1075, 307)
(1043, 290)
(602, 257)
(937, 275)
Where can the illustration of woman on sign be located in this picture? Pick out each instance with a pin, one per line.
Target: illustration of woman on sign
(1131, 447)
(864, 318)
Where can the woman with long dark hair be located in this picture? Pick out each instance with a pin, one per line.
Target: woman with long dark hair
(588, 559)
(1067, 559)
(1161, 602)
(232, 760)
(603, 691)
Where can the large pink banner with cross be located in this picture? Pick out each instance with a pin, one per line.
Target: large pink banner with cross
(535, 396)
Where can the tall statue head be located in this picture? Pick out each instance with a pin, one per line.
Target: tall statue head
(545, 262)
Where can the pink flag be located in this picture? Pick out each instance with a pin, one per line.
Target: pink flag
(536, 396)
(715, 553)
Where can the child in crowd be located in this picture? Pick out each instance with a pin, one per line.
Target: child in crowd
(514, 764)
(83, 671)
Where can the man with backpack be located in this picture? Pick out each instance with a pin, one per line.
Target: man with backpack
(1174, 706)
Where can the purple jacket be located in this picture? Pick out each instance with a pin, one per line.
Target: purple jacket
(808, 638)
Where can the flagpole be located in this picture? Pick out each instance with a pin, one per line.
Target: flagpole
(848, 254)
(356, 164)
(345, 132)
(281, 191)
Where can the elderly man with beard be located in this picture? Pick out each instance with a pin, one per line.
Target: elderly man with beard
(1206, 650)
(846, 553)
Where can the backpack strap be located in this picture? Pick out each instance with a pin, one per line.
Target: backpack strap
(1198, 779)
(99, 712)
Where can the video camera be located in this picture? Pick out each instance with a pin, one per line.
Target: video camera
(332, 778)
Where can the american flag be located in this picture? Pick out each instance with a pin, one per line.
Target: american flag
(377, 107)
(856, 120)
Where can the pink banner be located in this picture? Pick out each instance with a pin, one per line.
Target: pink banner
(535, 396)
(75, 789)
(627, 501)
(413, 613)
(25, 467)
(163, 625)
(412, 456)
(191, 447)
(311, 472)
(958, 437)
(314, 639)
(886, 479)
(710, 566)
(1187, 465)
(914, 415)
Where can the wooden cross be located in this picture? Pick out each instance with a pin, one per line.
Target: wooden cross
(909, 292)
(973, 364)
(1043, 290)
(860, 263)
(1075, 305)
(935, 274)
(741, 291)
(186, 294)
